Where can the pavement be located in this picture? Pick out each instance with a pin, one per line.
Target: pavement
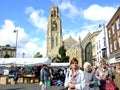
(27, 87)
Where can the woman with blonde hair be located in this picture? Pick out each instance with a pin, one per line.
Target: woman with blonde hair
(102, 74)
(74, 77)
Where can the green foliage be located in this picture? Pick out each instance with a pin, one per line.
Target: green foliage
(37, 55)
(6, 55)
(62, 55)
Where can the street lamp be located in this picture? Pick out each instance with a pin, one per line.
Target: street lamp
(16, 31)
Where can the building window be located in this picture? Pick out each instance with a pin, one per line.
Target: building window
(104, 53)
(54, 13)
(118, 23)
(110, 47)
(119, 41)
(99, 44)
(118, 33)
(115, 45)
(110, 40)
(99, 54)
(51, 13)
(109, 33)
(113, 29)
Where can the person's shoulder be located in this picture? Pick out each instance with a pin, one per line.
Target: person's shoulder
(42, 69)
(80, 71)
(99, 69)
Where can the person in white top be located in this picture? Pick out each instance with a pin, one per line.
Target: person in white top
(74, 79)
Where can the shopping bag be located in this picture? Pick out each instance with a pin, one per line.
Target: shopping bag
(110, 85)
(48, 83)
(96, 83)
(43, 87)
(40, 83)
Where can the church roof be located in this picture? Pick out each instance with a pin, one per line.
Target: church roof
(69, 42)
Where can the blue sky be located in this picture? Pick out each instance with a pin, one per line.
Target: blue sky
(30, 17)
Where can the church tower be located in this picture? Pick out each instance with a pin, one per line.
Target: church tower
(54, 33)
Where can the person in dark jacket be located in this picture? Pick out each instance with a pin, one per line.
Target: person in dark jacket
(15, 76)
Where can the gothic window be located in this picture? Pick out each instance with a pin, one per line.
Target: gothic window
(88, 53)
(51, 13)
(54, 26)
(54, 13)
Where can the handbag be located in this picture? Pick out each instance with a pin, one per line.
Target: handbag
(110, 85)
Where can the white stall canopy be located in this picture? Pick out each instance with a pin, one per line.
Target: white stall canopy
(25, 61)
(60, 64)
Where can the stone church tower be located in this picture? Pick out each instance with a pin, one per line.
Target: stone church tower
(54, 32)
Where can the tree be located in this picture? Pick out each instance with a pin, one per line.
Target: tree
(37, 55)
(62, 55)
(6, 55)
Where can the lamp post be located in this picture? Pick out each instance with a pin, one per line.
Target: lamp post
(16, 31)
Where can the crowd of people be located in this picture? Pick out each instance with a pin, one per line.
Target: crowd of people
(88, 78)
(102, 77)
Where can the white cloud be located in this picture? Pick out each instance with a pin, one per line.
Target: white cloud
(37, 18)
(7, 35)
(81, 32)
(76, 35)
(31, 48)
(99, 13)
(25, 43)
(68, 8)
